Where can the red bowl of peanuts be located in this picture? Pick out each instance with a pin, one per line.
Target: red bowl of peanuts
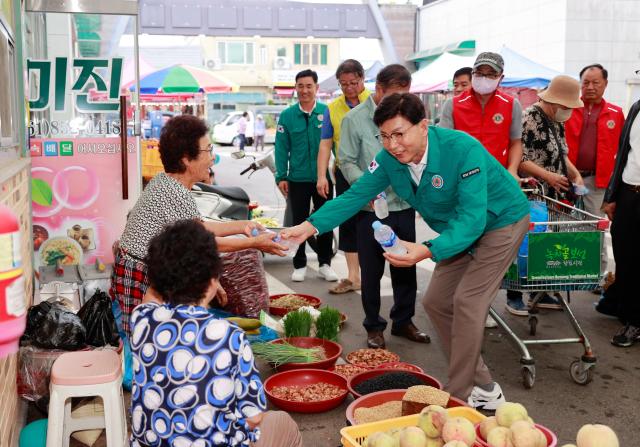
(306, 390)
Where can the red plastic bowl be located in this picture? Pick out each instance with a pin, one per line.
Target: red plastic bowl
(332, 351)
(282, 311)
(400, 365)
(364, 365)
(381, 397)
(359, 378)
(552, 439)
(304, 377)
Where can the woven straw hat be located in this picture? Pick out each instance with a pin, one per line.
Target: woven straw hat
(563, 90)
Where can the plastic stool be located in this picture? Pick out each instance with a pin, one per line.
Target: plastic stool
(84, 374)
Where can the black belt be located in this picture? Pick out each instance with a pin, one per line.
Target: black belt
(587, 173)
(632, 188)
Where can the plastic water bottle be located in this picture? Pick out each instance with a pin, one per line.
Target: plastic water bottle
(387, 238)
(380, 206)
(292, 246)
(580, 190)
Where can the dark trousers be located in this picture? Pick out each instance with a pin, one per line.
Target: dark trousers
(403, 279)
(243, 140)
(625, 238)
(347, 241)
(301, 194)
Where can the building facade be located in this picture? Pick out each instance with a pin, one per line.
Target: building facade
(565, 35)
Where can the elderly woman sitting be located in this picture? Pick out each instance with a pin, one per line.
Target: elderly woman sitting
(185, 151)
(194, 377)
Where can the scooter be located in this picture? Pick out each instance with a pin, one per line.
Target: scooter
(217, 202)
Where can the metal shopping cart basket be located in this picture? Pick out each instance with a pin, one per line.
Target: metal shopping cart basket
(560, 254)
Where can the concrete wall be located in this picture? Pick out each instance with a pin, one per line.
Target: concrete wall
(562, 34)
(401, 21)
(534, 29)
(607, 33)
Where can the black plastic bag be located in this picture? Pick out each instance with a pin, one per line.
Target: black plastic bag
(97, 317)
(52, 326)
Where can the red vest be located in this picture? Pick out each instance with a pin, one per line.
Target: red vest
(610, 123)
(491, 126)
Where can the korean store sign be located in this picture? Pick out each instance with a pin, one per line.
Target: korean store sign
(80, 75)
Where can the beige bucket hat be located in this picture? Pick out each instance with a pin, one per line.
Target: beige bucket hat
(563, 90)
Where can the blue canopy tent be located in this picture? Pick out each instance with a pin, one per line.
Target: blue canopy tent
(521, 72)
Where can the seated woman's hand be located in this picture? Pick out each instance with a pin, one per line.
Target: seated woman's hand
(251, 226)
(299, 233)
(264, 242)
(415, 253)
(221, 296)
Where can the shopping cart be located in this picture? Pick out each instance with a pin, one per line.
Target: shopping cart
(561, 254)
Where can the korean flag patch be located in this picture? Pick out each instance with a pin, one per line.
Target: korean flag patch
(280, 128)
(373, 166)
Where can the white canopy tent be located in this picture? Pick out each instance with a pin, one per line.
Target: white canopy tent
(436, 75)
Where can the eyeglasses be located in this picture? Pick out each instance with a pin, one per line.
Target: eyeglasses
(393, 137)
(350, 83)
(208, 149)
(490, 75)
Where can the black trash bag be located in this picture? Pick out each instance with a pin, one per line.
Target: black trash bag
(97, 317)
(35, 316)
(52, 326)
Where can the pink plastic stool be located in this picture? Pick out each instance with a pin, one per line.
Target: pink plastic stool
(85, 374)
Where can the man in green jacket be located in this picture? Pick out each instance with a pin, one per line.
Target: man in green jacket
(296, 152)
(474, 204)
(358, 146)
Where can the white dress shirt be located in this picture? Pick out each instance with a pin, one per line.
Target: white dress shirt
(631, 172)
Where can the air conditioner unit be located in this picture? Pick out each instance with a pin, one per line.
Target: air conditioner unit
(281, 63)
(213, 64)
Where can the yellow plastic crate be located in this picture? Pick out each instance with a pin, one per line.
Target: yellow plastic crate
(355, 435)
(151, 163)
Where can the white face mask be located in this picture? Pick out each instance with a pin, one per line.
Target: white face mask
(562, 115)
(483, 85)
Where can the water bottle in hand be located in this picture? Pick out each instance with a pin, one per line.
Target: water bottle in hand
(291, 245)
(387, 239)
(380, 206)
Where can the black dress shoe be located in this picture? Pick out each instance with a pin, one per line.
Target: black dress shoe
(375, 340)
(412, 333)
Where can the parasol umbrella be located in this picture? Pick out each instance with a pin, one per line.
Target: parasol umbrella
(184, 79)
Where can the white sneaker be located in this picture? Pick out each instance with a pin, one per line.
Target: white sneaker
(486, 400)
(299, 274)
(490, 322)
(327, 273)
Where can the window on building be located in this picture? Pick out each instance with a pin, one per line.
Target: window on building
(310, 54)
(262, 55)
(282, 52)
(236, 52)
(8, 102)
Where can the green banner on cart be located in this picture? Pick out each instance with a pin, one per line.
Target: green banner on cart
(561, 256)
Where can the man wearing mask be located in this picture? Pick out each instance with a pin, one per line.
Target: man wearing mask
(462, 80)
(495, 119)
(296, 152)
(350, 76)
(358, 146)
(593, 132)
(488, 114)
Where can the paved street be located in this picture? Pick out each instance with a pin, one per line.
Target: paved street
(555, 400)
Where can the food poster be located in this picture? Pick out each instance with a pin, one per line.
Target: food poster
(77, 205)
